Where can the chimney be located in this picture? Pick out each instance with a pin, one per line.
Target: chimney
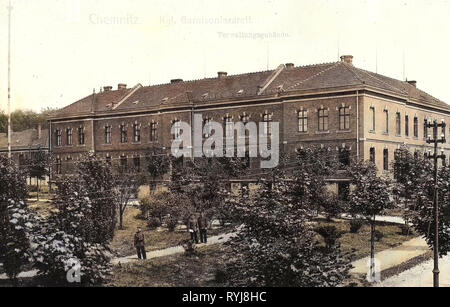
(107, 88)
(222, 74)
(347, 59)
(412, 82)
(39, 131)
(176, 80)
(121, 86)
(289, 65)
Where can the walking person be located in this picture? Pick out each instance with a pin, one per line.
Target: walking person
(139, 244)
(203, 226)
(193, 228)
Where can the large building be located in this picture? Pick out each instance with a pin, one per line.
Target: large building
(336, 105)
(24, 144)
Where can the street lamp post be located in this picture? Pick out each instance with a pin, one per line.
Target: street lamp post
(9, 79)
(435, 157)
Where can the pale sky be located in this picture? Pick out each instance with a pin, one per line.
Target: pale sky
(63, 49)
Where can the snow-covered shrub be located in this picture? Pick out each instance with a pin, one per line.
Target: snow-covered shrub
(15, 219)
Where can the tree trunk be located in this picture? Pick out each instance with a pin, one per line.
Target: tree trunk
(372, 250)
(37, 185)
(121, 218)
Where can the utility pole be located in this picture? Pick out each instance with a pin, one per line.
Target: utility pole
(9, 79)
(435, 157)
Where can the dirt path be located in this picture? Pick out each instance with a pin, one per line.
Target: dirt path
(173, 250)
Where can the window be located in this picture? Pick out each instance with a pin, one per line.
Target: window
(108, 135)
(443, 130)
(123, 163)
(108, 160)
(58, 166)
(137, 164)
(416, 155)
(69, 133)
(136, 133)
(323, 119)
(344, 118)
(444, 160)
(244, 119)
(372, 115)
(207, 126)
(177, 128)
(22, 160)
(123, 133)
(386, 125)
(398, 127)
(229, 132)
(425, 129)
(153, 132)
(58, 137)
(372, 155)
(302, 121)
(267, 126)
(386, 159)
(406, 125)
(81, 136)
(416, 127)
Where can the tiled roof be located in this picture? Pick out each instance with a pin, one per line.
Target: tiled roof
(24, 139)
(295, 79)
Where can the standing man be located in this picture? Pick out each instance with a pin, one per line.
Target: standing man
(193, 228)
(203, 226)
(139, 243)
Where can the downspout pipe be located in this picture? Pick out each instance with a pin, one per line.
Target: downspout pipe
(357, 124)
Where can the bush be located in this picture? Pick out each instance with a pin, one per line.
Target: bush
(172, 222)
(189, 248)
(153, 223)
(378, 235)
(405, 230)
(330, 234)
(220, 276)
(355, 225)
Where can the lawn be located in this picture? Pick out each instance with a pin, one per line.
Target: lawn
(358, 244)
(43, 208)
(173, 271)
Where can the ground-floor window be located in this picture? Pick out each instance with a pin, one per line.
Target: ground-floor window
(386, 159)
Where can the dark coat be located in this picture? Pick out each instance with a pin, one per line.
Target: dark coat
(139, 240)
(202, 222)
(192, 223)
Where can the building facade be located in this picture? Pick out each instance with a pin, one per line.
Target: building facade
(24, 144)
(335, 105)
